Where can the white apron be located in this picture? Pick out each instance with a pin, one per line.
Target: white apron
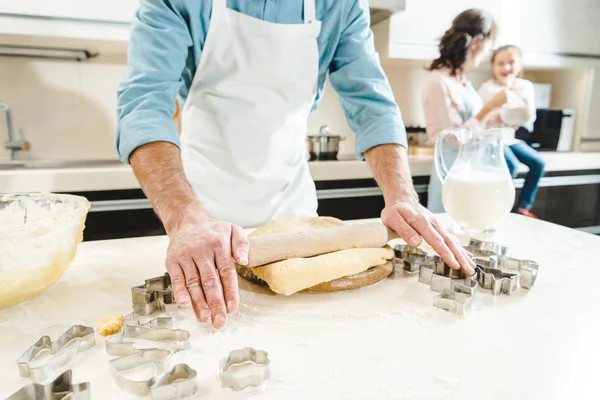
(245, 119)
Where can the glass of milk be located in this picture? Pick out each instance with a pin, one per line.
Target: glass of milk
(477, 190)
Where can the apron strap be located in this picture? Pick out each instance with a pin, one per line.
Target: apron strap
(309, 11)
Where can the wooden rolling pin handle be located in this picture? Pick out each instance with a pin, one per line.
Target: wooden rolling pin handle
(272, 248)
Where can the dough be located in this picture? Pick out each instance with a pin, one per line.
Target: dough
(290, 276)
(110, 324)
(288, 225)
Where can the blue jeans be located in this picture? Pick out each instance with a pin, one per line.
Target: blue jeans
(521, 152)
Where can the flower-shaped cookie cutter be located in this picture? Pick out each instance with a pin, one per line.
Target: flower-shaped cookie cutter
(245, 367)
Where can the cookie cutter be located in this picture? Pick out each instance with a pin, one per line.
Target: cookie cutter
(155, 314)
(245, 367)
(73, 341)
(455, 302)
(122, 343)
(178, 382)
(158, 288)
(62, 388)
(526, 269)
(159, 360)
(482, 248)
(439, 276)
(497, 281)
(166, 382)
(411, 257)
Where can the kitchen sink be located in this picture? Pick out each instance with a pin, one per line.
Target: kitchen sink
(54, 164)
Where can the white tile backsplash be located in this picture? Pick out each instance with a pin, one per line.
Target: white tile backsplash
(66, 110)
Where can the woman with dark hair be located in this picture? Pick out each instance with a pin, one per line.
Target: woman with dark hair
(449, 99)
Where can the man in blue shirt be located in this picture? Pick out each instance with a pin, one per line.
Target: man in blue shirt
(250, 72)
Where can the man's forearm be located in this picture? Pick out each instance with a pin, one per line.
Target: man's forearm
(389, 165)
(158, 168)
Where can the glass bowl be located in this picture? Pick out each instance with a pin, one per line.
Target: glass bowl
(39, 234)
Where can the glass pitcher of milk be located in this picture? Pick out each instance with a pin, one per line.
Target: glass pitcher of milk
(477, 190)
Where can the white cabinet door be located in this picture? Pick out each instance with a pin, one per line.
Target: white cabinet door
(592, 126)
(423, 22)
(103, 10)
(561, 26)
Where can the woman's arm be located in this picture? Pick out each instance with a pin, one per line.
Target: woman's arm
(441, 112)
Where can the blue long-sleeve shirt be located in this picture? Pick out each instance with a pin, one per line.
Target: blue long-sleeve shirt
(166, 45)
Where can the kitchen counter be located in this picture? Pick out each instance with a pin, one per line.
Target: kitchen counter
(386, 341)
(120, 177)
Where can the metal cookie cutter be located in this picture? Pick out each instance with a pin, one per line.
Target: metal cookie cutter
(61, 388)
(497, 280)
(455, 302)
(178, 382)
(441, 277)
(158, 288)
(159, 360)
(245, 367)
(155, 314)
(482, 248)
(120, 343)
(411, 257)
(526, 269)
(76, 339)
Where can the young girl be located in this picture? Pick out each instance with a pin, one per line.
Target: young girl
(449, 99)
(506, 71)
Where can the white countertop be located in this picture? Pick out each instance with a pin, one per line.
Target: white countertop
(382, 342)
(119, 177)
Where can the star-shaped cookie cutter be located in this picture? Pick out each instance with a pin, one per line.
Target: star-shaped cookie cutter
(62, 388)
(166, 382)
(245, 367)
(73, 341)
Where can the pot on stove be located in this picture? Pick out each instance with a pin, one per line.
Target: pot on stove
(324, 146)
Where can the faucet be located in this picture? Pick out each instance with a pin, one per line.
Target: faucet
(13, 144)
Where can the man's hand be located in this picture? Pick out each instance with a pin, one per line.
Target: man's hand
(404, 214)
(200, 261)
(412, 222)
(201, 254)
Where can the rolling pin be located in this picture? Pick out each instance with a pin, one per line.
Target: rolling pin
(277, 247)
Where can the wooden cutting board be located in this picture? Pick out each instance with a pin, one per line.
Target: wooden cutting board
(350, 282)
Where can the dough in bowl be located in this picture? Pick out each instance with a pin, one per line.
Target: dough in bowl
(293, 275)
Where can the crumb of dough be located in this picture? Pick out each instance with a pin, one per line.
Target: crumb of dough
(110, 324)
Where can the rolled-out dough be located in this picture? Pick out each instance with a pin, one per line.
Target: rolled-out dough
(290, 276)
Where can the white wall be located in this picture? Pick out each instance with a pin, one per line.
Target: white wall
(66, 110)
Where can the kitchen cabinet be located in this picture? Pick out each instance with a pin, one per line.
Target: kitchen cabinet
(575, 205)
(415, 32)
(105, 10)
(561, 26)
(570, 198)
(590, 137)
